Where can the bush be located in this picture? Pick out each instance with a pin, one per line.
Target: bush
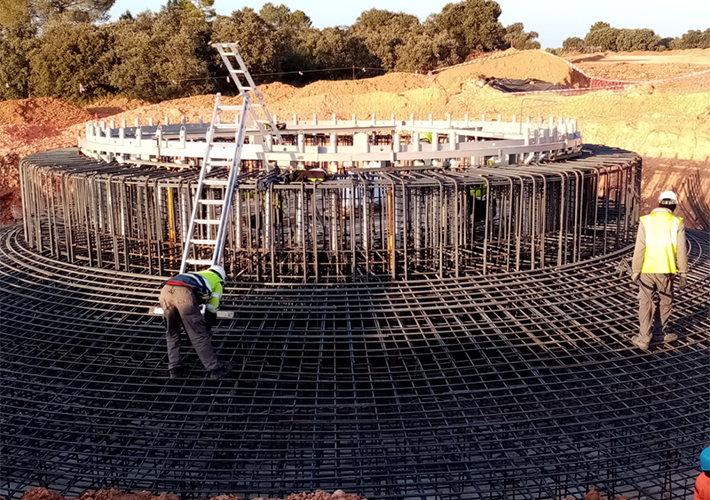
(517, 38)
(573, 44)
(473, 24)
(161, 56)
(69, 58)
(640, 39)
(693, 39)
(602, 38)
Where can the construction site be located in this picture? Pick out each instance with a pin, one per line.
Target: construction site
(428, 289)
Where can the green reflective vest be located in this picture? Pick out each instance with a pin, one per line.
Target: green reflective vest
(216, 285)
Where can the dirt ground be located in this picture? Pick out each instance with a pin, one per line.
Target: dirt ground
(642, 65)
(668, 123)
(45, 494)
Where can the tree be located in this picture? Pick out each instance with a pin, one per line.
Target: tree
(692, 39)
(599, 25)
(516, 37)
(573, 44)
(382, 32)
(427, 50)
(16, 40)
(334, 48)
(638, 39)
(71, 61)
(602, 38)
(281, 17)
(68, 11)
(473, 24)
(161, 56)
(258, 45)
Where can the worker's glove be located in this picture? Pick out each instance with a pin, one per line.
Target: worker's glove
(210, 320)
(636, 278)
(683, 280)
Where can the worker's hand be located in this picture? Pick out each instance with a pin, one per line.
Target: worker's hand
(636, 278)
(683, 280)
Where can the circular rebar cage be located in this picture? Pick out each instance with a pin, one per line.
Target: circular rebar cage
(494, 384)
(396, 223)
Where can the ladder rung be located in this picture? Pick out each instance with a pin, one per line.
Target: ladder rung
(238, 71)
(203, 242)
(226, 126)
(219, 163)
(214, 222)
(211, 202)
(215, 182)
(199, 262)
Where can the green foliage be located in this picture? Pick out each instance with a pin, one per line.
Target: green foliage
(334, 48)
(69, 57)
(602, 38)
(51, 47)
(693, 39)
(473, 24)
(573, 43)
(15, 44)
(70, 11)
(639, 39)
(161, 56)
(599, 25)
(517, 38)
(257, 40)
(427, 50)
(16, 40)
(382, 32)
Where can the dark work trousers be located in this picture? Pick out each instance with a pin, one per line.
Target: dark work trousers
(181, 308)
(655, 300)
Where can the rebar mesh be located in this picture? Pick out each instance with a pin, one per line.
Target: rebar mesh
(391, 223)
(514, 385)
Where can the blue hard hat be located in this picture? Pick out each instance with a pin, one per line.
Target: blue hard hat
(705, 459)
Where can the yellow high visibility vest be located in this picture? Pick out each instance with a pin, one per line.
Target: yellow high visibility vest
(215, 283)
(661, 242)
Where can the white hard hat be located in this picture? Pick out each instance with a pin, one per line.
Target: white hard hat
(218, 270)
(668, 195)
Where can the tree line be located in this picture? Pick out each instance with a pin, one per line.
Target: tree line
(602, 37)
(67, 49)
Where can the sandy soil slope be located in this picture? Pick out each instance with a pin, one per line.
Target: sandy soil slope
(667, 121)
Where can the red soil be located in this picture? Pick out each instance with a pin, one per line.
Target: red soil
(45, 494)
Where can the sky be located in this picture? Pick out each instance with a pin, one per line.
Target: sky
(554, 20)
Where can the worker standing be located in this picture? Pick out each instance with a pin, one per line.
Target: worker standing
(702, 484)
(659, 255)
(181, 298)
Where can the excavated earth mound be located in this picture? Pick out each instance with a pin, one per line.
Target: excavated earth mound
(514, 64)
(42, 111)
(113, 494)
(669, 121)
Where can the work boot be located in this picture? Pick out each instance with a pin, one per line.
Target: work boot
(639, 342)
(221, 370)
(177, 372)
(670, 337)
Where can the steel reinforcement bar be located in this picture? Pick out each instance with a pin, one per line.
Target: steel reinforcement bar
(387, 223)
(516, 385)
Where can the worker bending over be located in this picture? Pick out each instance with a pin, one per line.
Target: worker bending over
(660, 253)
(702, 484)
(180, 299)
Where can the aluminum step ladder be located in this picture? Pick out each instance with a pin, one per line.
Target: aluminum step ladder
(239, 73)
(210, 215)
